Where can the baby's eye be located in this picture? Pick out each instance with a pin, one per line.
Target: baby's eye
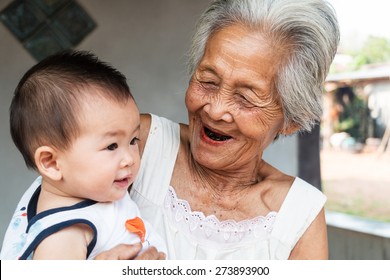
(112, 147)
(134, 141)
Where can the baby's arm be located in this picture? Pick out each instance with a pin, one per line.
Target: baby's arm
(67, 244)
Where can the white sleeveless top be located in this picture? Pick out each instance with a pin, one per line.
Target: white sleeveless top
(107, 221)
(192, 235)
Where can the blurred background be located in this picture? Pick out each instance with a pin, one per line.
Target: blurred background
(355, 132)
(347, 156)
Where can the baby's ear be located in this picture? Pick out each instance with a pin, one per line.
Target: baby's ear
(46, 161)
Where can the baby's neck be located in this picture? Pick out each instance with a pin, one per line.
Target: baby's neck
(50, 198)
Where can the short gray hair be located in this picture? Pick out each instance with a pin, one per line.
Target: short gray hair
(307, 29)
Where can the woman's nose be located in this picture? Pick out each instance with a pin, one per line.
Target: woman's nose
(218, 110)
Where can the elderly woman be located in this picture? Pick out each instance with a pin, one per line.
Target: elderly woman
(258, 68)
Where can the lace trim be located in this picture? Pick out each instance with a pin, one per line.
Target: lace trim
(229, 231)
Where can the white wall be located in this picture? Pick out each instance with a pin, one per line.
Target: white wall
(146, 40)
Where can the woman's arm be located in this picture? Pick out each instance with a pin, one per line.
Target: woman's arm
(313, 244)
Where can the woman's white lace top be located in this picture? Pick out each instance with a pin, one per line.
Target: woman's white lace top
(209, 227)
(192, 235)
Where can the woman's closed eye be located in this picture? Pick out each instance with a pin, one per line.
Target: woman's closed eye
(209, 85)
(244, 100)
(134, 141)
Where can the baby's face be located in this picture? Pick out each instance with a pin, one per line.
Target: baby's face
(104, 159)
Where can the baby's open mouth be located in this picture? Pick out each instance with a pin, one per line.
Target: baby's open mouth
(122, 182)
(215, 135)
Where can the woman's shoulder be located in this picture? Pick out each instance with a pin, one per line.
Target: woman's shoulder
(278, 188)
(275, 186)
(146, 120)
(184, 133)
(158, 127)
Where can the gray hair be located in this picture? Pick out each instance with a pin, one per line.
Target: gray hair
(307, 29)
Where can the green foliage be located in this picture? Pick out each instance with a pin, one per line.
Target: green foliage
(374, 50)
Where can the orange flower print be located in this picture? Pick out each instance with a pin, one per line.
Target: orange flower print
(136, 226)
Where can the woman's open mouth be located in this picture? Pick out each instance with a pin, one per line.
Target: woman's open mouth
(215, 136)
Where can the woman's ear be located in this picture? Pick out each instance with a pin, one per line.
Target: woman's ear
(46, 161)
(290, 129)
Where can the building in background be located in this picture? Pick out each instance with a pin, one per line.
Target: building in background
(357, 108)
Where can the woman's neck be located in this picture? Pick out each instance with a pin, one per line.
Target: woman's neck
(225, 181)
(227, 195)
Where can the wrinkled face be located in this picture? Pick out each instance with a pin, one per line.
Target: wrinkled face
(234, 113)
(104, 159)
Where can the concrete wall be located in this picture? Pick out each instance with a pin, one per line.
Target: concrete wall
(146, 40)
(356, 238)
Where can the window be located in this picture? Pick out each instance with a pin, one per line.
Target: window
(45, 27)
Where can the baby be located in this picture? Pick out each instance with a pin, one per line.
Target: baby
(74, 120)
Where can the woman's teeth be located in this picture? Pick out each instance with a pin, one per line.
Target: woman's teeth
(215, 136)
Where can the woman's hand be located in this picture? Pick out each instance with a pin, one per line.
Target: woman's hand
(130, 252)
(151, 254)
